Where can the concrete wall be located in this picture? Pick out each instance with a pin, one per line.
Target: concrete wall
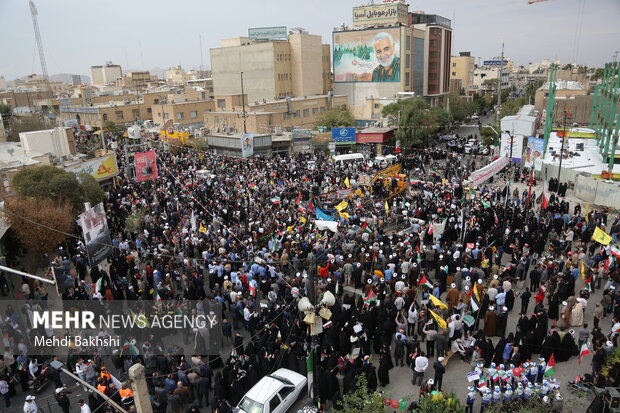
(597, 192)
(306, 64)
(259, 66)
(55, 141)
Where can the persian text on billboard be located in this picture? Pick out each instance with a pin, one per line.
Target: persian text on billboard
(367, 56)
(268, 33)
(146, 166)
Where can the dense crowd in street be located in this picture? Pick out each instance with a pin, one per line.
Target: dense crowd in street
(419, 277)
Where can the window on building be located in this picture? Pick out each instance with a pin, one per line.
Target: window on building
(453, 73)
(432, 76)
(407, 61)
(286, 116)
(407, 78)
(207, 111)
(377, 106)
(149, 110)
(180, 115)
(407, 42)
(155, 101)
(453, 64)
(136, 114)
(315, 111)
(221, 103)
(433, 43)
(166, 115)
(193, 114)
(433, 55)
(297, 113)
(322, 109)
(119, 115)
(435, 32)
(105, 117)
(432, 65)
(306, 113)
(432, 88)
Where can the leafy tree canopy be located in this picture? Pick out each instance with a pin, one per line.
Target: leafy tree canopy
(416, 121)
(334, 118)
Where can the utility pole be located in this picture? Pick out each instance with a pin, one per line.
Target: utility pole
(499, 86)
(314, 344)
(509, 167)
(243, 114)
(562, 149)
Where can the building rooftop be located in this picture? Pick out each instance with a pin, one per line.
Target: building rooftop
(589, 160)
(564, 85)
(13, 155)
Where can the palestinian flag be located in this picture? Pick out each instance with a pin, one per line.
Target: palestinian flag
(424, 281)
(365, 228)
(588, 282)
(158, 301)
(550, 369)
(311, 206)
(253, 187)
(370, 298)
(99, 285)
(298, 200)
(584, 351)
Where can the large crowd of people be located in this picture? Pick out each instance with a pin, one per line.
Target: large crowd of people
(419, 275)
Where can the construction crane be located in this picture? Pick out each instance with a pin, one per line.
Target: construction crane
(35, 23)
(535, 1)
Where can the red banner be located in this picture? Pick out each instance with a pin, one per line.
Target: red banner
(146, 166)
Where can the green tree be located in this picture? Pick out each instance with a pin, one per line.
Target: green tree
(5, 111)
(334, 118)
(113, 127)
(49, 182)
(460, 108)
(56, 219)
(361, 400)
(599, 73)
(416, 121)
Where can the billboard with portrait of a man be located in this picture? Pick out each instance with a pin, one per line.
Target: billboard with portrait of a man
(367, 55)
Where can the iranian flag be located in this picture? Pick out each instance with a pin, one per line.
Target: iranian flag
(584, 351)
(424, 281)
(133, 350)
(545, 201)
(310, 369)
(275, 200)
(615, 251)
(298, 200)
(370, 298)
(550, 369)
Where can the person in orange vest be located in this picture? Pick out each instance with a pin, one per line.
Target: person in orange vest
(104, 374)
(126, 395)
(102, 386)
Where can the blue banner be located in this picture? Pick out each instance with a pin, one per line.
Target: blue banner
(323, 216)
(344, 135)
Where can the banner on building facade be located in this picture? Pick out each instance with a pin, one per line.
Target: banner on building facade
(533, 156)
(146, 166)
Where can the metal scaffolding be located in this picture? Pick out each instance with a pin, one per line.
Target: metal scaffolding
(605, 113)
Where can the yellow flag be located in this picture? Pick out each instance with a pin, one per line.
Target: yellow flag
(290, 229)
(601, 236)
(344, 215)
(437, 302)
(583, 271)
(202, 229)
(387, 207)
(341, 206)
(440, 321)
(303, 219)
(587, 212)
(346, 182)
(359, 193)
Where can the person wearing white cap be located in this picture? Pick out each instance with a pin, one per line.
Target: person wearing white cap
(452, 297)
(29, 405)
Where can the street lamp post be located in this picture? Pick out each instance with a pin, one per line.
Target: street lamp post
(562, 148)
(245, 130)
(509, 167)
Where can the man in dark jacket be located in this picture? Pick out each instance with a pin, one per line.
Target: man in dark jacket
(440, 369)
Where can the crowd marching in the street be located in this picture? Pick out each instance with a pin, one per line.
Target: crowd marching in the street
(419, 275)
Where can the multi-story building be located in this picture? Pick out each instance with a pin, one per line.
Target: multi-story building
(24, 100)
(269, 116)
(102, 75)
(2, 83)
(437, 53)
(485, 79)
(136, 80)
(462, 73)
(272, 68)
(187, 113)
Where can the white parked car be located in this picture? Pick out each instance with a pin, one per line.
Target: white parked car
(274, 393)
(467, 148)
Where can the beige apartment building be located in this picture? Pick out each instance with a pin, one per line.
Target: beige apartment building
(108, 73)
(182, 113)
(269, 116)
(462, 73)
(272, 69)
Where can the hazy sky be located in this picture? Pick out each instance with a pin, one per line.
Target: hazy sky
(80, 33)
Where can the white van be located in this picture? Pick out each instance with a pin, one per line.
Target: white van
(384, 161)
(348, 158)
